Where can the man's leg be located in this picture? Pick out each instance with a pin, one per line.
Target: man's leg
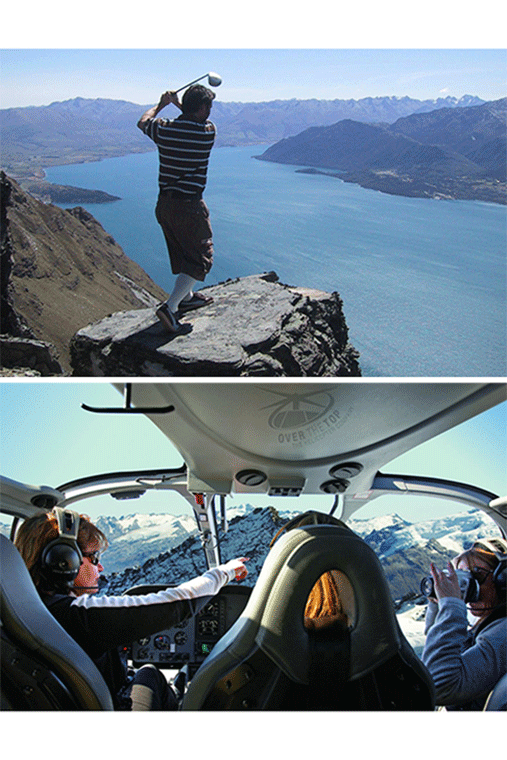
(188, 235)
(182, 291)
(191, 230)
(184, 283)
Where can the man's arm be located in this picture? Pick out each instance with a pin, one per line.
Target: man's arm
(165, 99)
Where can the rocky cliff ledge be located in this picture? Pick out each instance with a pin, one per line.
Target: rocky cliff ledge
(60, 270)
(256, 326)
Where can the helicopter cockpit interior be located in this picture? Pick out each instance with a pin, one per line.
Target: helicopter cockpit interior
(247, 649)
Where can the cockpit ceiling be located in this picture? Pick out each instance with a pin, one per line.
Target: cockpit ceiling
(298, 433)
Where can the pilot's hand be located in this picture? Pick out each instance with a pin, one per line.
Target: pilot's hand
(236, 569)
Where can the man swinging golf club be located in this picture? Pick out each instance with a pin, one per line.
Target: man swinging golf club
(184, 146)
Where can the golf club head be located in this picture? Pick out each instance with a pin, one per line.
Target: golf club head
(214, 80)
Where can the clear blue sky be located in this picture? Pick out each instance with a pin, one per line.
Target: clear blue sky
(47, 439)
(42, 76)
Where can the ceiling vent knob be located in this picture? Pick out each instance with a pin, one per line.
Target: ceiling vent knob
(44, 501)
(251, 478)
(337, 485)
(346, 470)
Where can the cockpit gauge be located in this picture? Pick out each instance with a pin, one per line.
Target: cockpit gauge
(191, 641)
(162, 642)
(208, 627)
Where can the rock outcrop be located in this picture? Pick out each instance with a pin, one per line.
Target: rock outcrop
(29, 357)
(60, 271)
(256, 326)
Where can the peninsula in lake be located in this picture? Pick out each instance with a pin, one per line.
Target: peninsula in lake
(48, 192)
(447, 153)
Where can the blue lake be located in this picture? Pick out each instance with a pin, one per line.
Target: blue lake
(423, 282)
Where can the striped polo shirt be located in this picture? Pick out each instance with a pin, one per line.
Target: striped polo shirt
(184, 147)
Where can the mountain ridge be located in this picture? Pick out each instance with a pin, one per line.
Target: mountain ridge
(61, 269)
(87, 129)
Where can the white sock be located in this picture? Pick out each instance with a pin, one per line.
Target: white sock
(181, 291)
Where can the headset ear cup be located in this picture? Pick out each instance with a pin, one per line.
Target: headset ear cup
(62, 557)
(61, 561)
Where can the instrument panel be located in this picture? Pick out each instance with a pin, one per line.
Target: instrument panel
(189, 643)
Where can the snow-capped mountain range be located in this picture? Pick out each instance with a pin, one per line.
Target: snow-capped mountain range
(135, 538)
(161, 548)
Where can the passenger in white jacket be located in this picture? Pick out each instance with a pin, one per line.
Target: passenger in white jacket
(467, 662)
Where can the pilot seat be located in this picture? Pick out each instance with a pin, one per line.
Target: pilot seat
(42, 666)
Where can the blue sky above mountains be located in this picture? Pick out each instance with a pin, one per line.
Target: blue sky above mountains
(42, 76)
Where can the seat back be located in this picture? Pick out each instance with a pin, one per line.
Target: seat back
(42, 667)
(270, 660)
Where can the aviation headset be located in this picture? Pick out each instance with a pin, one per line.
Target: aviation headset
(498, 547)
(62, 557)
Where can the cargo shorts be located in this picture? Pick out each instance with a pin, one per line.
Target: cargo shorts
(188, 234)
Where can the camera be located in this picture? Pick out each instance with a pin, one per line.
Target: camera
(470, 588)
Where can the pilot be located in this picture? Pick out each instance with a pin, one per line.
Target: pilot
(104, 625)
(466, 663)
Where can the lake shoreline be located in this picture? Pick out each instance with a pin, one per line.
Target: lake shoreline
(383, 182)
(406, 187)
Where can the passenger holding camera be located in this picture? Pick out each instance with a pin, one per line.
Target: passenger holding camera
(466, 663)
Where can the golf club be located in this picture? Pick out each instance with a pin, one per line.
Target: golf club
(214, 80)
